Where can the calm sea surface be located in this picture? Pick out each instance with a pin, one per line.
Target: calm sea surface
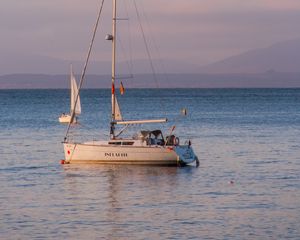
(246, 187)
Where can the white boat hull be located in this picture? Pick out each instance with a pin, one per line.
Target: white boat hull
(144, 148)
(139, 155)
(66, 119)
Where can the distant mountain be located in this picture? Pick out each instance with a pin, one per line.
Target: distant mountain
(274, 66)
(280, 57)
(16, 63)
(262, 80)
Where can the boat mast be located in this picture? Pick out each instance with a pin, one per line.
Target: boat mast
(113, 70)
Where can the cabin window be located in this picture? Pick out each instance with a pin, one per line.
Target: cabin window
(115, 143)
(121, 143)
(127, 143)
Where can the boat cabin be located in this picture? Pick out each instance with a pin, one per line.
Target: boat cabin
(152, 137)
(146, 138)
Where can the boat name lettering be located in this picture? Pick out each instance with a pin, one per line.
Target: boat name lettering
(115, 154)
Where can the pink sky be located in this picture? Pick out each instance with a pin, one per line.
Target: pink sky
(198, 31)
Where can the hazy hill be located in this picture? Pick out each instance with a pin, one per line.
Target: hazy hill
(280, 57)
(14, 63)
(262, 80)
(275, 66)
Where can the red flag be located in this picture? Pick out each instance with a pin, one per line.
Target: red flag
(122, 89)
(112, 89)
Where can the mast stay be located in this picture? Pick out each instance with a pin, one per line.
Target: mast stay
(113, 38)
(84, 69)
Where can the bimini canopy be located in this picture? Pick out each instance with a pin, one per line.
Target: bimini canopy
(155, 133)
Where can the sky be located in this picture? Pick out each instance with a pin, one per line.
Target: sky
(194, 31)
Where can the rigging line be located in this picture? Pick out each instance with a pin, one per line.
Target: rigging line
(122, 130)
(84, 68)
(127, 60)
(153, 40)
(125, 56)
(129, 39)
(146, 45)
(161, 62)
(160, 59)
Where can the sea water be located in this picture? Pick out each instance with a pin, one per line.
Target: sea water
(246, 187)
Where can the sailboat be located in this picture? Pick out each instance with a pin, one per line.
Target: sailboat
(66, 118)
(148, 147)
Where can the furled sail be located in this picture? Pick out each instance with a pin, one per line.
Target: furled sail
(74, 92)
(118, 115)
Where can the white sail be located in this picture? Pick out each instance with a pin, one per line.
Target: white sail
(74, 92)
(118, 115)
